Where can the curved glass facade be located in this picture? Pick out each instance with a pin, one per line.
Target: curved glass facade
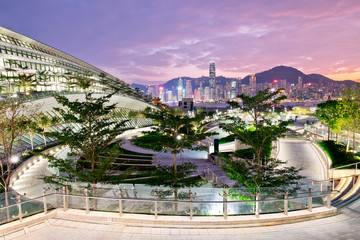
(22, 55)
(55, 71)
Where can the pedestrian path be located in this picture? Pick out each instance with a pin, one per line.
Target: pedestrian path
(339, 227)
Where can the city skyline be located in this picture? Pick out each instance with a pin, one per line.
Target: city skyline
(153, 41)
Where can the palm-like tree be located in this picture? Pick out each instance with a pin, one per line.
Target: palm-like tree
(45, 123)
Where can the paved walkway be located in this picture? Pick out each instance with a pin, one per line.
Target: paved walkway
(340, 227)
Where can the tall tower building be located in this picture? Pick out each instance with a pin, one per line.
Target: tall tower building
(180, 89)
(300, 83)
(252, 83)
(212, 76)
(188, 89)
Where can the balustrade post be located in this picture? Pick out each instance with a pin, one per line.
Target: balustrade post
(18, 197)
(310, 200)
(126, 192)
(65, 198)
(333, 180)
(87, 204)
(286, 203)
(356, 169)
(321, 187)
(191, 206)
(134, 191)
(257, 205)
(328, 200)
(225, 206)
(155, 203)
(120, 203)
(44, 200)
(213, 176)
(208, 171)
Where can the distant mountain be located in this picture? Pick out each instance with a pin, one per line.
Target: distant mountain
(280, 72)
(142, 88)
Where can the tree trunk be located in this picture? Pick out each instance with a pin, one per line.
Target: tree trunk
(94, 194)
(175, 171)
(32, 143)
(176, 198)
(44, 140)
(258, 158)
(7, 204)
(354, 142)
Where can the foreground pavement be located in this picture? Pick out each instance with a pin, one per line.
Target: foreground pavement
(342, 227)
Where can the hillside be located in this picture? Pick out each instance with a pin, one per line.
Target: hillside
(280, 72)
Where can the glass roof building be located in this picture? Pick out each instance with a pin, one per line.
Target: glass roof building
(21, 55)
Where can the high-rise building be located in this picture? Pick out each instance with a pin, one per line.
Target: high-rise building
(252, 83)
(233, 91)
(161, 94)
(188, 89)
(207, 94)
(169, 96)
(212, 76)
(197, 95)
(299, 85)
(180, 89)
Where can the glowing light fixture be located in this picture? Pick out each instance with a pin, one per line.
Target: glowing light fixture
(14, 159)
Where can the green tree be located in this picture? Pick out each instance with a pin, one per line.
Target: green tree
(262, 131)
(44, 123)
(174, 132)
(14, 119)
(90, 142)
(351, 113)
(330, 112)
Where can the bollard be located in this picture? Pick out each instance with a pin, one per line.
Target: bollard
(120, 203)
(328, 200)
(310, 200)
(155, 203)
(65, 198)
(257, 205)
(213, 176)
(191, 206)
(208, 171)
(286, 203)
(87, 204)
(225, 211)
(44, 201)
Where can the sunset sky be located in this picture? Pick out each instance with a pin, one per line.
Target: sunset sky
(146, 41)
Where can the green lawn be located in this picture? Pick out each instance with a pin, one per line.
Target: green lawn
(337, 153)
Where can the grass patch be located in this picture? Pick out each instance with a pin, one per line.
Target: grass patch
(227, 139)
(147, 141)
(338, 154)
(249, 153)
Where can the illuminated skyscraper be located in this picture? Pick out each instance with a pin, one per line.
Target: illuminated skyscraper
(212, 74)
(180, 89)
(252, 83)
(299, 85)
(188, 89)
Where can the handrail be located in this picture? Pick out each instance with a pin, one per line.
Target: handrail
(347, 165)
(164, 200)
